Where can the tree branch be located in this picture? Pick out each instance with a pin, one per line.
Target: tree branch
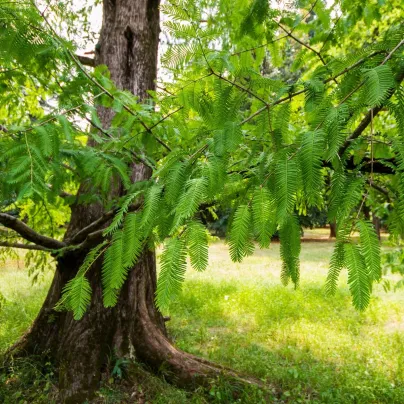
(233, 83)
(6, 244)
(290, 34)
(64, 194)
(92, 227)
(279, 38)
(295, 94)
(89, 242)
(110, 95)
(378, 166)
(29, 234)
(380, 189)
(86, 61)
(83, 233)
(364, 123)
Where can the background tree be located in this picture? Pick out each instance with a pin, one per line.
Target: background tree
(219, 132)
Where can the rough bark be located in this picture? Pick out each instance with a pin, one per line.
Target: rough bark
(134, 327)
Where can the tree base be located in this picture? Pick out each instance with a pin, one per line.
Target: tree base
(34, 379)
(81, 350)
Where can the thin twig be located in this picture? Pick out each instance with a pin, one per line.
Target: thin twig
(371, 147)
(290, 34)
(233, 83)
(277, 39)
(330, 33)
(393, 50)
(166, 117)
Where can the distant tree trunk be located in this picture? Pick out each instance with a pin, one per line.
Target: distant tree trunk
(377, 225)
(375, 220)
(333, 230)
(134, 327)
(366, 212)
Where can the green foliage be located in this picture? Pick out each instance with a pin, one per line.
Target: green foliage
(263, 112)
(120, 216)
(311, 165)
(151, 207)
(197, 242)
(337, 262)
(263, 208)
(191, 199)
(393, 262)
(113, 271)
(286, 184)
(359, 280)
(289, 236)
(334, 126)
(173, 266)
(78, 295)
(132, 240)
(378, 82)
(240, 238)
(370, 249)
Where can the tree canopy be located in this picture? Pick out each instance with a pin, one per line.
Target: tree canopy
(226, 127)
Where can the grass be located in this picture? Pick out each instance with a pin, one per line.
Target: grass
(316, 349)
(23, 300)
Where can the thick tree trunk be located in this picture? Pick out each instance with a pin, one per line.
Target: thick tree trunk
(134, 327)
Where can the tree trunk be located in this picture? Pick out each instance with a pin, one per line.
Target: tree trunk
(134, 327)
(377, 224)
(333, 230)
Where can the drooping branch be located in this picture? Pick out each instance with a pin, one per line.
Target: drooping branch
(28, 233)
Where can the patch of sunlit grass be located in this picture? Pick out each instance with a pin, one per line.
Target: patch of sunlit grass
(316, 348)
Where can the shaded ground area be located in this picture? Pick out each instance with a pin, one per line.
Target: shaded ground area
(317, 349)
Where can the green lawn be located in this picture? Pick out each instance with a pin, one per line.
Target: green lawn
(314, 348)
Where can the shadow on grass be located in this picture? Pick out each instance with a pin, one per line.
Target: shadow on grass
(314, 348)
